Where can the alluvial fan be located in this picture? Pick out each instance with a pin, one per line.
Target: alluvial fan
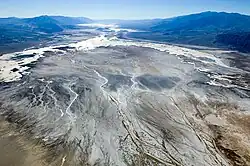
(108, 101)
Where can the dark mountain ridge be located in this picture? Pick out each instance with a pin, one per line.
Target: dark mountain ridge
(216, 29)
(207, 21)
(44, 24)
(47, 24)
(16, 33)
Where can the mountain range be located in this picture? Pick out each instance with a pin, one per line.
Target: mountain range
(216, 29)
(18, 33)
(46, 24)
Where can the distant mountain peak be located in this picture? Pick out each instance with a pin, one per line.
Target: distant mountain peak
(207, 28)
(206, 21)
(44, 23)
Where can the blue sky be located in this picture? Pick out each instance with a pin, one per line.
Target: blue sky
(119, 9)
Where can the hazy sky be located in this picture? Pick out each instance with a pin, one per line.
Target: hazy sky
(123, 9)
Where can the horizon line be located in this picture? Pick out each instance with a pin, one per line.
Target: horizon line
(56, 15)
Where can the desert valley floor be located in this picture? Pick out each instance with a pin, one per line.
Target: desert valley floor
(101, 100)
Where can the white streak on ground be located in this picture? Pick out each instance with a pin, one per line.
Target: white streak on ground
(6, 64)
(133, 81)
(68, 108)
(104, 78)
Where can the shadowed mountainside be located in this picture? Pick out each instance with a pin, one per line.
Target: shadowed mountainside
(25, 32)
(206, 21)
(47, 24)
(213, 29)
(206, 29)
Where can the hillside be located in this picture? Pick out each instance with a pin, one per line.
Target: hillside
(44, 24)
(206, 29)
(206, 21)
(47, 24)
(25, 31)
